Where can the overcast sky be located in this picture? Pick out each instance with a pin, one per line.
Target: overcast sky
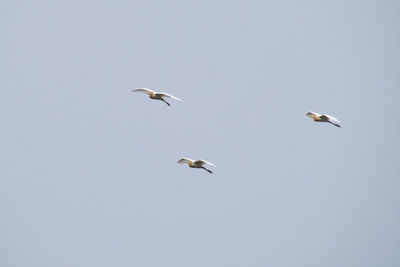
(88, 169)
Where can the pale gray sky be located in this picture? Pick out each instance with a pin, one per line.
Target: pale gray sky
(88, 169)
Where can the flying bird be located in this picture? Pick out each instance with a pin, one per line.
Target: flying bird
(196, 164)
(156, 95)
(323, 118)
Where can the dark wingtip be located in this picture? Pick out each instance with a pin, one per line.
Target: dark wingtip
(337, 125)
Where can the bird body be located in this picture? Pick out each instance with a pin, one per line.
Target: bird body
(157, 95)
(323, 118)
(196, 163)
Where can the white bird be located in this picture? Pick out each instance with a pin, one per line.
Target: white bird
(156, 95)
(323, 118)
(196, 164)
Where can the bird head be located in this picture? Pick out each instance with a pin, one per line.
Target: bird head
(313, 115)
(310, 114)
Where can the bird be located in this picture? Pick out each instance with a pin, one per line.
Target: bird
(156, 95)
(323, 118)
(196, 164)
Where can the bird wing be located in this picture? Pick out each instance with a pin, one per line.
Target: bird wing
(168, 95)
(330, 118)
(202, 162)
(184, 160)
(144, 90)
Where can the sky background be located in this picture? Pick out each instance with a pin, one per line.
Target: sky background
(88, 169)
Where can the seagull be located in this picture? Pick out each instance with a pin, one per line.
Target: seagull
(196, 164)
(156, 95)
(323, 118)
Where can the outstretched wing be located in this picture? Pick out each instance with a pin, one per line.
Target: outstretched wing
(144, 90)
(168, 95)
(202, 162)
(184, 160)
(330, 118)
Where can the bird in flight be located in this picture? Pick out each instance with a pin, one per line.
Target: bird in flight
(196, 164)
(323, 118)
(156, 95)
